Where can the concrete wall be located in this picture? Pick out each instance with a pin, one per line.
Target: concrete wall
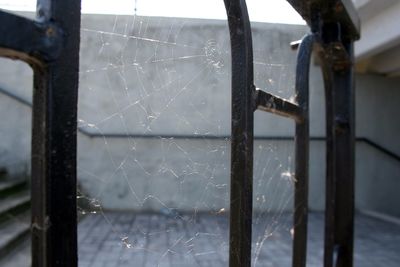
(378, 175)
(15, 124)
(161, 77)
(173, 78)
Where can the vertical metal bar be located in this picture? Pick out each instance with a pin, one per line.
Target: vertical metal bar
(243, 106)
(338, 78)
(54, 219)
(344, 132)
(330, 166)
(328, 34)
(302, 153)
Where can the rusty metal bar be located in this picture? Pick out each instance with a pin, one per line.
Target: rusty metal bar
(241, 198)
(337, 65)
(339, 218)
(336, 26)
(274, 104)
(302, 143)
(54, 215)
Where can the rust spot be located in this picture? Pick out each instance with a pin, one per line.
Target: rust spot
(50, 32)
(339, 7)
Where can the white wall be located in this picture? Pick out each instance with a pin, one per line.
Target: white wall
(15, 123)
(378, 119)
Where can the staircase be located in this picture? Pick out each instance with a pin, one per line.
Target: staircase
(14, 213)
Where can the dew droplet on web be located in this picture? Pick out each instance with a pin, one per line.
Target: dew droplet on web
(125, 241)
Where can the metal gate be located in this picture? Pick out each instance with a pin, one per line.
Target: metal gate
(50, 45)
(334, 27)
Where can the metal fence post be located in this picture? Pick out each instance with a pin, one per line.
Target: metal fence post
(54, 214)
(340, 164)
(302, 142)
(241, 203)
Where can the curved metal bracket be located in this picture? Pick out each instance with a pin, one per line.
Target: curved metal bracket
(31, 41)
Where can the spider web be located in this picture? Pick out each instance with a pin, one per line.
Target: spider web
(153, 162)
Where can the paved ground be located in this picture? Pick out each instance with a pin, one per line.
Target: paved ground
(122, 239)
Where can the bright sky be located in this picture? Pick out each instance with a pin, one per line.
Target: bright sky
(278, 11)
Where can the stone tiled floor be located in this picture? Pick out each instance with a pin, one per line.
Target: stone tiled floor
(121, 239)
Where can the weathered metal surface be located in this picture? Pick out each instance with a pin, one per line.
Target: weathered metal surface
(53, 53)
(330, 11)
(28, 40)
(245, 99)
(270, 103)
(342, 189)
(302, 143)
(242, 134)
(331, 47)
(54, 219)
(330, 163)
(336, 26)
(340, 118)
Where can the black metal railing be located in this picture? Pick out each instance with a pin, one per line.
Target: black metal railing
(334, 27)
(245, 100)
(51, 46)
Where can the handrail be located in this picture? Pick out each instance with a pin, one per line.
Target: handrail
(90, 134)
(378, 147)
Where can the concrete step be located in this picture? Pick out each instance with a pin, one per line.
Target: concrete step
(14, 213)
(8, 187)
(13, 205)
(13, 232)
